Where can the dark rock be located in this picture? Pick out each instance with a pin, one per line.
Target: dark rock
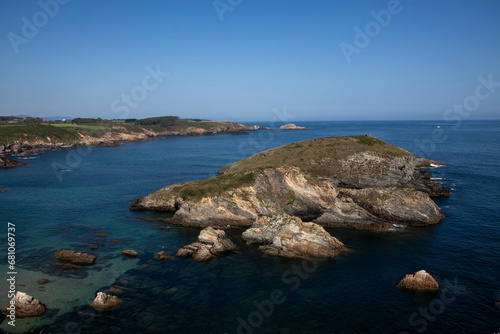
(162, 256)
(420, 281)
(75, 257)
(25, 306)
(6, 162)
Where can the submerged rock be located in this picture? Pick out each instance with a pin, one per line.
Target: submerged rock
(211, 243)
(289, 237)
(24, 306)
(104, 302)
(130, 253)
(162, 256)
(75, 257)
(420, 281)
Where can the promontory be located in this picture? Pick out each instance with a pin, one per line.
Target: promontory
(356, 181)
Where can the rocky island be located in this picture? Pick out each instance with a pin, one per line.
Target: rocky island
(357, 182)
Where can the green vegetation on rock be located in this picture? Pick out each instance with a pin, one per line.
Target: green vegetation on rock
(316, 157)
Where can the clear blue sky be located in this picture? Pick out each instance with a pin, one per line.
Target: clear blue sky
(264, 54)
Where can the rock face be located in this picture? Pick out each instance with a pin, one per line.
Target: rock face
(211, 243)
(130, 253)
(104, 302)
(289, 237)
(420, 281)
(291, 126)
(25, 306)
(75, 257)
(355, 182)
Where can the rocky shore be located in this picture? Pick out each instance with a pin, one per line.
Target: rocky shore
(356, 182)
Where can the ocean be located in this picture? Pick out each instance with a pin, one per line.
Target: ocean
(65, 198)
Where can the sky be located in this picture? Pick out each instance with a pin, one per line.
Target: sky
(251, 59)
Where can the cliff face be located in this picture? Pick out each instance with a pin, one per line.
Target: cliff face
(365, 187)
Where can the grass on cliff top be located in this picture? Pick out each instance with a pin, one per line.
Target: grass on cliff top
(213, 186)
(59, 132)
(27, 132)
(316, 157)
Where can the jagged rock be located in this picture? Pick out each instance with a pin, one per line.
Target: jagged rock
(428, 163)
(420, 281)
(24, 306)
(289, 237)
(162, 256)
(210, 243)
(103, 302)
(130, 253)
(291, 126)
(74, 256)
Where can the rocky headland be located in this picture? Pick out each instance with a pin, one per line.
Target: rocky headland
(356, 182)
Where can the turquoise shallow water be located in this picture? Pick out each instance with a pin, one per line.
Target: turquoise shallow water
(89, 192)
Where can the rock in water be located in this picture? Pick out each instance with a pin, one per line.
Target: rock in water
(210, 243)
(289, 237)
(25, 306)
(162, 256)
(104, 302)
(130, 253)
(291, 126)
(6, 162)
(420, 281)
(74, 256)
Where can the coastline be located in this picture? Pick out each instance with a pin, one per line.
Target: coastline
(117, 135)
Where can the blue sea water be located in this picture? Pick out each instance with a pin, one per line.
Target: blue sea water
(62, 199)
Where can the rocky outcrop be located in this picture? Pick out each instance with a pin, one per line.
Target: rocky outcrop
(162, 256)
(289, 237)
(211, 243)
(356, 182)
(105, 302)
(291, 126)
(6, 162)
(74, 257)
(420, 281)
(428, 163)
(130, 253)
(24, 305)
